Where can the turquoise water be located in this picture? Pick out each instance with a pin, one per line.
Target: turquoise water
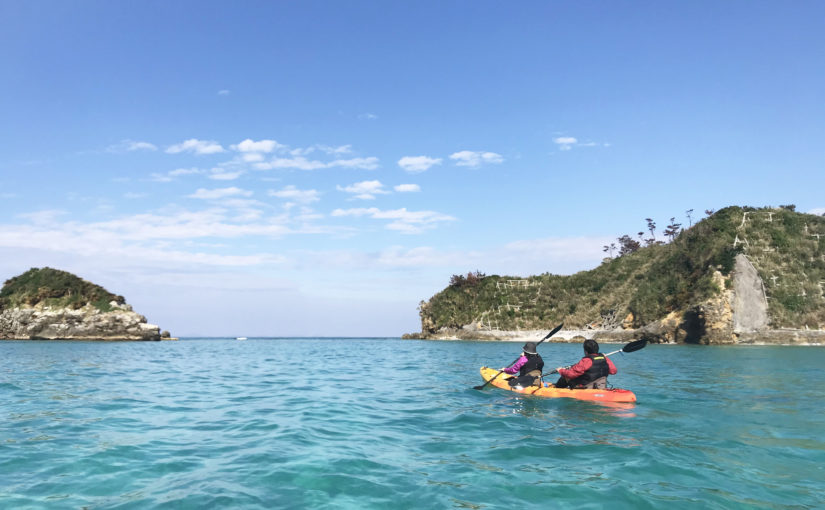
(378, 423)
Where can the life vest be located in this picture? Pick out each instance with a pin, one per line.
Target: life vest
(530, 373)
(598, 370)
(534, 363)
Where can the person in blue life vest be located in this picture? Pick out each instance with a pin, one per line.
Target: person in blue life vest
(528, 367)
(590, 372)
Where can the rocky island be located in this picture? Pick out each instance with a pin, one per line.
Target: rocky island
(742, 275)
(49, 304)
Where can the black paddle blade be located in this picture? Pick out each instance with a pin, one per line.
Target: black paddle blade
(634, 346)
(555, 330)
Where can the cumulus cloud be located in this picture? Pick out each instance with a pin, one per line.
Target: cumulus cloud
(566, 143)
(172, 174)
(264, 146)
(302, 163)
(474, 159)
(402, 220)
(196, 146)
(220, 174)
(365, 190)
(341, 149)
(131, 146)
(297, 195)
(407, 188)
(370, 163)
(819, 211)
(299, 163)
(44, 217)
(214, 194)
(417, 164)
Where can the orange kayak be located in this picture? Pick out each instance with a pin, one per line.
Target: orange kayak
(550, 391)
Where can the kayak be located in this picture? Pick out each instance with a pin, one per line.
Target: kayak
(550, 391)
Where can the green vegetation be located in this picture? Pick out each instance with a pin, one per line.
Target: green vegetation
(652, 281)
(52, 287)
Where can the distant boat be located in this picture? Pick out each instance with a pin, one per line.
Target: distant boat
(240, 338)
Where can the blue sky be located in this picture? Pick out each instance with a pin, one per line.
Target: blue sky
(318, 168)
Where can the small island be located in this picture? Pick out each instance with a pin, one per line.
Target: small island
(49, 304)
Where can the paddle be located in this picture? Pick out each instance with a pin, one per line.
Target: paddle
(481, 387)
(631, 347)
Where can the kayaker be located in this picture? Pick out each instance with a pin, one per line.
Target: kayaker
(528, 367)
(590, 372)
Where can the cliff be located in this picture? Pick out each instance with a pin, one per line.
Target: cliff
(742, 275)
(48, 304)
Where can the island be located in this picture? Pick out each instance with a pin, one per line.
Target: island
(50, 304)
(742, 275)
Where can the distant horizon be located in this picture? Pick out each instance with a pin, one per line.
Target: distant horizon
(320, 168)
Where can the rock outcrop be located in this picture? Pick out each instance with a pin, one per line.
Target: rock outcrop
(86, 323)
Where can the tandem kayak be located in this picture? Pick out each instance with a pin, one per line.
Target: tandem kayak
(550, 391)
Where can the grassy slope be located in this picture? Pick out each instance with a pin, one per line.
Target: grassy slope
(656, 280)
(56, 288)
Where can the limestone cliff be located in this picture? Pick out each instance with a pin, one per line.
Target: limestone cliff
(48, 304)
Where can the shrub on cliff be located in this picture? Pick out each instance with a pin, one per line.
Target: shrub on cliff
(56, 288)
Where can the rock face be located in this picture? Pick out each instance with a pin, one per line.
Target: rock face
(750, 306)
(86, 323)
(49, 304)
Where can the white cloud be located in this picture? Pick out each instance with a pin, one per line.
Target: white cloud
(184, 171)
(370, 163)
(341, 149)
(365, 190)
(407, 188)
(297, 195)
(368, 116)
(196, 146)
(214, 194)
(130, 146)
(220, 174)
(474, 159)
(402, 220)
(416, 164)
(45, 217)
(223, 92)
(141, 146)
(172, 174)
(819, 211)
(566, 143)
(300, 163)
(250, 145)
(252, 157)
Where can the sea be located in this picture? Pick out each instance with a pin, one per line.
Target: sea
(361, 423)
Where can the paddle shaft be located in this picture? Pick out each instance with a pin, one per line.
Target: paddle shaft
(555, 330)
(632, 346)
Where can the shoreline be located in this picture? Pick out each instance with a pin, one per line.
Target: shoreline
(778, 337)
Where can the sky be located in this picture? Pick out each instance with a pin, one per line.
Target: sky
(319, 168)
